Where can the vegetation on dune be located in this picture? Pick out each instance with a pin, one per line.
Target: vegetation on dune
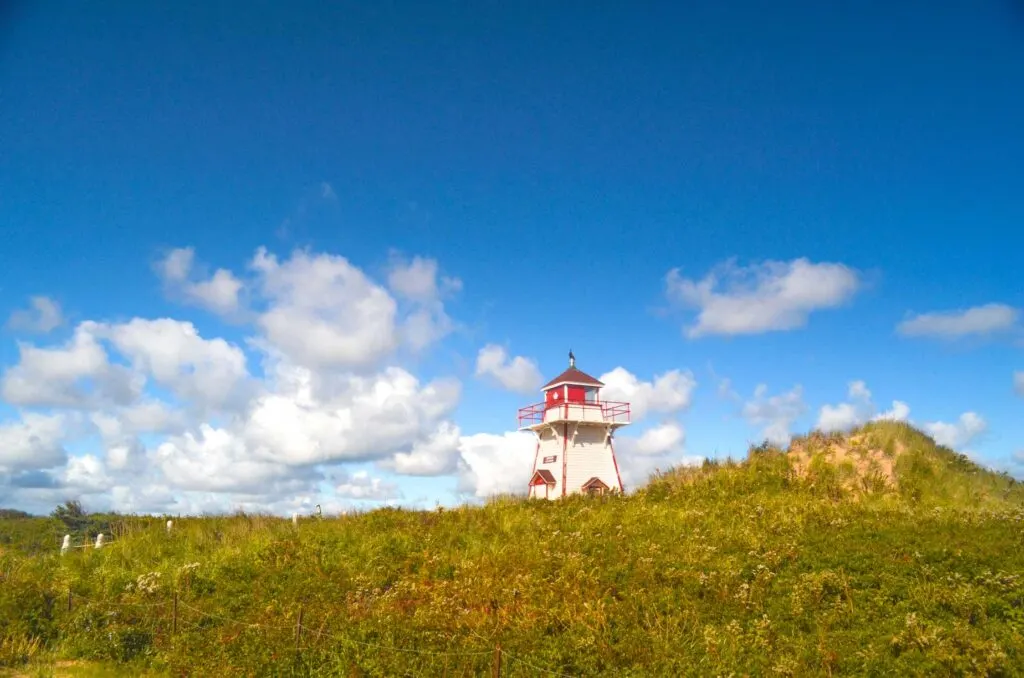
(824, 560)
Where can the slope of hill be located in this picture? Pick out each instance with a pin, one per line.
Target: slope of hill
(874, 553)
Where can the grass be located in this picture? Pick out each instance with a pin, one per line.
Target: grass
(743, 568)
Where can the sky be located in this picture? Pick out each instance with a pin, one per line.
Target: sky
(321, 254)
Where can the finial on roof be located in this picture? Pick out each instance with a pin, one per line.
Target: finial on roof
(572, 359)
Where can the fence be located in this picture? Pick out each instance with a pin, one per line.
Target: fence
(306, 636)
(177, 617)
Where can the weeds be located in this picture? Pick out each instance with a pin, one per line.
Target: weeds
(744, 568)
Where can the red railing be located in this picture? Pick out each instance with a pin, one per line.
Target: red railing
(611, 412)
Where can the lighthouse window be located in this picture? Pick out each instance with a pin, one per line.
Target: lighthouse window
(591, 395)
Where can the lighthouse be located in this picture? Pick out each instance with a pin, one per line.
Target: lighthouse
(574, 429)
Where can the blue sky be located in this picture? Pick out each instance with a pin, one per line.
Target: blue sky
(432, 180)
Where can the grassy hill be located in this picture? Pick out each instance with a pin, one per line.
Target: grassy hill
(870, 554)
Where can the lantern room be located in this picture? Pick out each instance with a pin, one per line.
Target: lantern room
(574, 395)
(572, 386)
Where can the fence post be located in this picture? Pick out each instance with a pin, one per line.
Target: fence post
(69, 599)
(174, 618)
(99, 540)
(298, 633)
(496, 669)
(66, 544)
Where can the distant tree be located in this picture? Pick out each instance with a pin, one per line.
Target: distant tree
(13, 513)
(72, 515)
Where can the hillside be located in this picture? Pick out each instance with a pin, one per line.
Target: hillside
(873, 553)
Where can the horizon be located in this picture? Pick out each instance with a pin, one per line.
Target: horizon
(323, 255)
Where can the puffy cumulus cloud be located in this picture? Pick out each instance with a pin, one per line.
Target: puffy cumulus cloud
(219, 293)
(211, 373)
(858, 410)
(658, 448)
(666, 438)
(900, 411)
(848, 415)
(959, 434)
(770, 296)
(323, 312)
(36, 442)
(360, 485)
(218, 460)
(433, 456)
(667, 393)
(45, 315)
(775, 414)
(172, 420)
(491, 464)
(519, 374)
(418, 283)
(77, 374)
(418, 279)
(350, 418)
(86, 474)
(979, 320)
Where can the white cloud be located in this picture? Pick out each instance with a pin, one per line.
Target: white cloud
(519, 375)
(35, 442)
(350, 418)
(417, 282)
(858, 410)
(208, 372)
(848, 415)
(360, 485)
(218, 460)
(77, 374)
(776, 414)
(433, 456)
(220, 293)
(324, 312)
(86, 474)
(1018, 382)
(44, 316)
(666, 438)
(667, 393)
(492, 464)
(959, 434)
(659, 447)
(979, 320)
(765, 297)
(900, 412)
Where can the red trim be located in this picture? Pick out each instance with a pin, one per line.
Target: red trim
(611, 412)
(615, 461)
(542, 477)
(565, 444)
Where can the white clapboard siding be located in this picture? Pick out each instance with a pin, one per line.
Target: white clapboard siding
(588, 456)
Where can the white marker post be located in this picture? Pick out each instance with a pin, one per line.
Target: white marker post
(99, 540)
(170, 524)
(66, 545)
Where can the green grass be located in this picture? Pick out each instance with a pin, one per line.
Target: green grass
(731, 568)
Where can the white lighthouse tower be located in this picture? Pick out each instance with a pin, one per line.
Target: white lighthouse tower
(574, 430)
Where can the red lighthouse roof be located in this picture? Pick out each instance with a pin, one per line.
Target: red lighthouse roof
(572, 376)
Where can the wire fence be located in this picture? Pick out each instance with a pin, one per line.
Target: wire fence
(307, 636)
(184, 617)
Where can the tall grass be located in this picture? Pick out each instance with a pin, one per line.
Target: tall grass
(730, 568)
